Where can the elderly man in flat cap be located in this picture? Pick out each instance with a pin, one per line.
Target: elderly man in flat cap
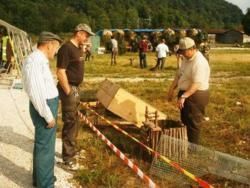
(43, 94)
(192, 80)
(70, 72)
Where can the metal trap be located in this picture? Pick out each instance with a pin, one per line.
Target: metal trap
(156, 128)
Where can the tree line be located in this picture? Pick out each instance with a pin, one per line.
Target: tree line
(62, 15)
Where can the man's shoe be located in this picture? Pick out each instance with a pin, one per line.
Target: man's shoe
(73, 166)
(80, 155)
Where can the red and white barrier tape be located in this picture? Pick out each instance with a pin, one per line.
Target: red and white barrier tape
(127, 161)
(175, 165)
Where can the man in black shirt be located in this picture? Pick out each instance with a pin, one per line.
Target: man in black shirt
(70, 72)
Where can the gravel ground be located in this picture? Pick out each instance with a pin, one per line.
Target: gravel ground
(16, 143)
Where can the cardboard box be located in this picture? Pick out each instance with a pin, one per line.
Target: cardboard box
(124, 104)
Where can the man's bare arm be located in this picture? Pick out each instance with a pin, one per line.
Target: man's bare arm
(63, 80)
(173, 87)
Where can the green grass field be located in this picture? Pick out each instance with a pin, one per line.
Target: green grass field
(229, 110)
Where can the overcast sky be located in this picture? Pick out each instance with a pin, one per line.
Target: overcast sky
(243, 4)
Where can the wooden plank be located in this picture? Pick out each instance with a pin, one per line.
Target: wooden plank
(124, 104)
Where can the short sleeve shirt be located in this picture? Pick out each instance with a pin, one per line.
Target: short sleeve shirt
(162, 50)
(114, 43)
(71, 58)
(194, 70)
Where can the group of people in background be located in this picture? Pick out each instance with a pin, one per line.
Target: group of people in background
(144, 45)
(162, 52)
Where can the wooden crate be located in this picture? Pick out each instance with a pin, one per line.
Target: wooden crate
(124, 104)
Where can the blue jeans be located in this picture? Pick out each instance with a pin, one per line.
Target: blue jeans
(44, 147)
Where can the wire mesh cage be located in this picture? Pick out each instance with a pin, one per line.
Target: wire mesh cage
(199, 161)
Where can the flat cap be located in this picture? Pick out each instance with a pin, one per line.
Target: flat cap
(84, 27)
(48, 36)
(186, 43)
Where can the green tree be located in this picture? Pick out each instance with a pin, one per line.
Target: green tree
(61, 15)
(117, 18)
(71, 19)
(102, 21)
(132, 18)
(4, 14)
(246, 22)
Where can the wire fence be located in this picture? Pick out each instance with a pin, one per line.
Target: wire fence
(198, 160)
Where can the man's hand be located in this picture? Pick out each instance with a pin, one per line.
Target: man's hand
(63, 81)
(51, 124)
(69, 91)
(180, 103)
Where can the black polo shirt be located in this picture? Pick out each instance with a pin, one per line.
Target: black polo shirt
(71, 58)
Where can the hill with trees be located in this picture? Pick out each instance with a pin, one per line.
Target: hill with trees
(62, 15)
(246, 22)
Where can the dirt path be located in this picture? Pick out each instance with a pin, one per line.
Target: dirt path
(141, 79)
(125, 79)
(16, 143)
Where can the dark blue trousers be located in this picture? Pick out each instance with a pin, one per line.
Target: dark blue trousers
(44, 147)
(193, 113)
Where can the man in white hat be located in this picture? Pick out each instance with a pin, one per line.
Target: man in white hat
(192, 81)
